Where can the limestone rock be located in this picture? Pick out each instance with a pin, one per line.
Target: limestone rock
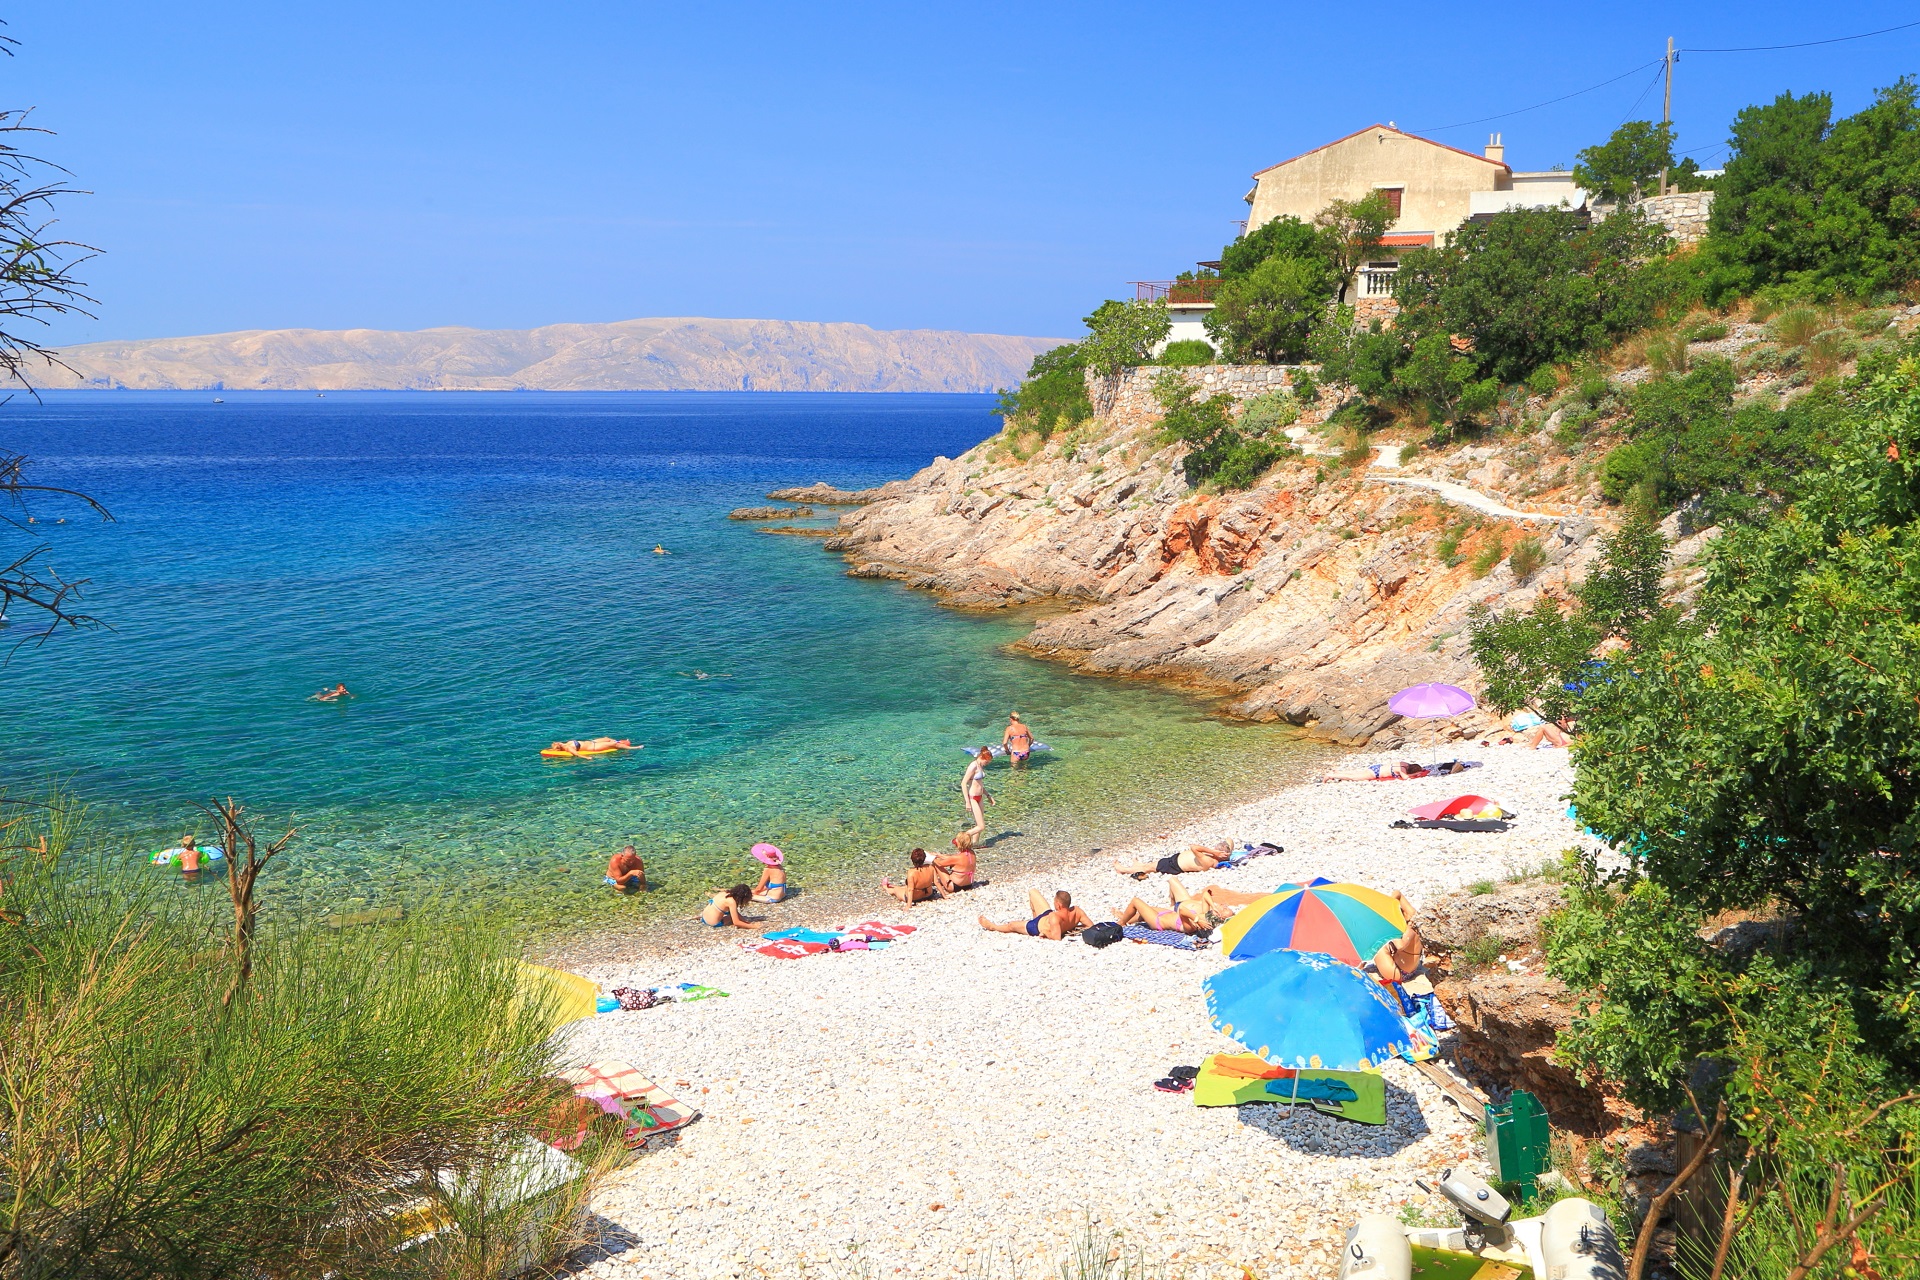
(769, 513)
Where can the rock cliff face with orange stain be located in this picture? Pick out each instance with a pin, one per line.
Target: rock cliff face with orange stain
(1310, 598)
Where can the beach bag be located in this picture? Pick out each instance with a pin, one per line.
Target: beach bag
(1104, 934)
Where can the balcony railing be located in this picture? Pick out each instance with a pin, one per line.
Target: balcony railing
(1176, 290)
(1377, 283)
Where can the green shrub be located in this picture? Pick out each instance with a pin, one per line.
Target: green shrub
(1305, 389)
(1526, 559)
(1482, 952)
(1831, 348)
(1054, 394)
(1704, 330)
(1796, 326)
(1871, 321)
(1265, 316)
(1269, 414)
(1543, 381)
(1217, 450)
(1667, 355)
(1187, 353)
(1448, 546)
(1489, 555)
(153, 1126)
(1594, 388)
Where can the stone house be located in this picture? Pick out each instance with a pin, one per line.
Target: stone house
(1433, 188)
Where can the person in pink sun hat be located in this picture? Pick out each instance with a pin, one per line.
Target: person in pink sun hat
(773, 874)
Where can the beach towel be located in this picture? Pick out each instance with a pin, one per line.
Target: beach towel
(649, 1109)
(1160, 937)
(802, 935)
(789, 950)
(1228, 1080)
(876, 931)
(694, 991)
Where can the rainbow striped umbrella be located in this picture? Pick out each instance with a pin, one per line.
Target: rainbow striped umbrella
(1346, 921)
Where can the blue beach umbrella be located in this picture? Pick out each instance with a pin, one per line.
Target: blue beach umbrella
(1301, 1009)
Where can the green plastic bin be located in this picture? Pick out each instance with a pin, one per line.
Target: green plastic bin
(1518, 1139)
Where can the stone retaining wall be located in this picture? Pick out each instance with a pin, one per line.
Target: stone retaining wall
(1684, 214)
(1127, 398)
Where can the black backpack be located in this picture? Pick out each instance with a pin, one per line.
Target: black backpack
(1104, 934)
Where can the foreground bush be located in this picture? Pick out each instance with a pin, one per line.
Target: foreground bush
(343, 1102)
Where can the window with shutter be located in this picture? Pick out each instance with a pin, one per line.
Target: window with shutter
(1393, 198)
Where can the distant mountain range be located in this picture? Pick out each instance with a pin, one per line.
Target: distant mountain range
(627, 355)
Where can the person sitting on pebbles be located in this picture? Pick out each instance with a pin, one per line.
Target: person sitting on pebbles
(1188, 916)
(724, 907)
(1402, 957)
(1058, 921)
(1198, 857)
(922, 881)
(772, 886)
(955, 871)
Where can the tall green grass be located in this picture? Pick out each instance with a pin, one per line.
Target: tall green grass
(338, 1107)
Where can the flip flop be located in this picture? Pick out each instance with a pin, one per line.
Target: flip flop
(1168, 1084)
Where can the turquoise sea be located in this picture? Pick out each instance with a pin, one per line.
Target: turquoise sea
(479, 570)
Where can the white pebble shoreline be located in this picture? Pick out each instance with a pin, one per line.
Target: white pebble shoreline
(1008, 1079)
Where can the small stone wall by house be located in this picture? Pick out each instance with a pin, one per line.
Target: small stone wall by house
(1684, 214)
(1367, 310)
(1127, 398)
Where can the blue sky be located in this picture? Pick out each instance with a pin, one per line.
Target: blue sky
(983, 166)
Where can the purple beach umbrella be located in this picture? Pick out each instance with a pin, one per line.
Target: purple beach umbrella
(1430, 702)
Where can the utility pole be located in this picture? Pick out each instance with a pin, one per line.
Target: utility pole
(1666, 108)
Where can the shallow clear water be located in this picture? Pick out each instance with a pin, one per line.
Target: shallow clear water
(479, 570)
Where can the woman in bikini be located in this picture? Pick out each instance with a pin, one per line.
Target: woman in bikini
(921, 885)
(772, 886)
(723, 908)
(956, 870)
(1190, 916)
(974, 787)
(1058, 921)
(1402, 958)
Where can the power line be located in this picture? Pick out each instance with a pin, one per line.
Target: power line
(1807, 44)
(1549, 102)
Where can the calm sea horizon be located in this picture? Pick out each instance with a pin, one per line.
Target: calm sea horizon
(478, 568)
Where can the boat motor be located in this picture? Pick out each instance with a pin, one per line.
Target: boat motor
(1377, 1249)
(1483, 1211)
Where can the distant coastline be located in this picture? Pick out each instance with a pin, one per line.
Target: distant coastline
(662, 354)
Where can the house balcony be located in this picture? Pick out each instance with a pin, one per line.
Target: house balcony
(1177, 291)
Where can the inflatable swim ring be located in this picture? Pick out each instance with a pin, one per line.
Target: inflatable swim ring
(171, 857)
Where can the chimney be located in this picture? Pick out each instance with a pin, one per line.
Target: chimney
(1496, 151)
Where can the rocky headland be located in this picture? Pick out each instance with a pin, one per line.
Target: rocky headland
(1344, 575)
(676, 354)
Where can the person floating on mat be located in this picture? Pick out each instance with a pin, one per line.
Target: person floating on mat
(1198, 857)
(954, 871)
(1056, 921)
(626, 872)
(922, 883)
(1017, 739)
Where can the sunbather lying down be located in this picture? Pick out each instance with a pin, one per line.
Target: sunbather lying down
(1189, 916)
(1218, 900)
(1056, 921)
(1198, 857)
(1396, 771)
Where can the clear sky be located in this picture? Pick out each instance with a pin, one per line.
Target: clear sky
(988, 166)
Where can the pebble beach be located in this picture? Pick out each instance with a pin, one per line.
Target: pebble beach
(967, 1103)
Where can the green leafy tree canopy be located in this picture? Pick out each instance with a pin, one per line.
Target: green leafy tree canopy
(1629, 163)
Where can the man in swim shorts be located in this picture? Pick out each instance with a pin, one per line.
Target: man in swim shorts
(627, 871)
(1198, 857)
(1057, 921)
(1017, 739)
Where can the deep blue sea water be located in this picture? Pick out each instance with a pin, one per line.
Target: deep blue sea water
(479, 570)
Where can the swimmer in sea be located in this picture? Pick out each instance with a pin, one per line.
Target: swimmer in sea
(627, 870)
(660, 550)
(334, 694)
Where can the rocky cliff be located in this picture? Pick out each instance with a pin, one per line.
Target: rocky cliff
(630, 355)
(1343, 576)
